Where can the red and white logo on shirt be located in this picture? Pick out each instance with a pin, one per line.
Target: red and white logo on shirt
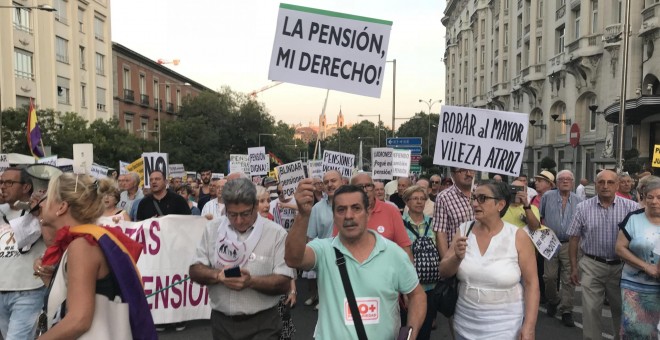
(369, 310)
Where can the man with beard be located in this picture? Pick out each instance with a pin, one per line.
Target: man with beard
(377, 268)
(161, 202)
(205, 188)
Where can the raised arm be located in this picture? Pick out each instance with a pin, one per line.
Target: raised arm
(297, 254)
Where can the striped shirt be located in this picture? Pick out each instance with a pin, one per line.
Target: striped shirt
(213, 207)
(452, 208)
(597, 226)
(556, 218)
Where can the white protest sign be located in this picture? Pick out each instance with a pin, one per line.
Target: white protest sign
(545, 241)
(51, 160)
(83, 158)
(99, 171)
(165, 259)
(330, 50)
(239, 163)
(154, 161)
(381, 163)
(315, 169)
(290, 175)
(483, 140)
(177, 171)
(258, 161)
(342, 162)
(122, 167)
(400, 163)
(216, 175)
(4, 162)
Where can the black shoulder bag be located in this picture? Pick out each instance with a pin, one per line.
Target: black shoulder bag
(445, 293)
(350, 296)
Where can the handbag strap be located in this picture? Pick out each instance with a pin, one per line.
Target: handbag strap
(348, 289)
(409, 227)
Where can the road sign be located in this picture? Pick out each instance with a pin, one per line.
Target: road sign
(415, 158)
(404, 141)
(414, 149)
(415, 168)
(575, 135)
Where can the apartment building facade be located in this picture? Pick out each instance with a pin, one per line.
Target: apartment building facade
(560, 62)
(60, 58)
(145, 91)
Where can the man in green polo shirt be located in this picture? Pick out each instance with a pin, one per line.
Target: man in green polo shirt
(379, 270)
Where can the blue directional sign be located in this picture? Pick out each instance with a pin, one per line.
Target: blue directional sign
(393, 142)
(414, 149)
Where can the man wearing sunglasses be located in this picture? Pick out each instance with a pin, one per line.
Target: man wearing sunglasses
(435, 187)
(241, 260)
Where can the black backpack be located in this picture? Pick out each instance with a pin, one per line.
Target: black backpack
(425, 255)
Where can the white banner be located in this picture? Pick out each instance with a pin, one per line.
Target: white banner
(154, 161)
(51, 160)
(330, 50)
(381, 163)
(239, 163)
(400, 163)
(169, 246)
(99, 171)
(290, 175)
(545, 241)
(83, 157)
(122, 167)
(259, 162)
(217, 175)
(342, 162)
(315, 169)
(482, 140)
(177, 171)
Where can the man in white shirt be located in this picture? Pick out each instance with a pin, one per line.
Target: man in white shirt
(215, 208)
(580, 190)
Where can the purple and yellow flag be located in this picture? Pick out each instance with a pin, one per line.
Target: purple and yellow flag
(34, 133)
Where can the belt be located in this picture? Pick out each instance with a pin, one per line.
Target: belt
(245, 317)
(603, 260)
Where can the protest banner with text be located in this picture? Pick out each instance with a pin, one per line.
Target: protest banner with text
(154, 161)
(315, 169)
(138, 167)
(239, 163)
(381, 163)
(169, 244)
(656, 156)
(400, 163)
(259, 161)
(51, 160)
(177, 171)
(83, 158)
(4, 162)
(99, 171)
(290, 175)
(122, 167)
(482, 140)
(342, 162)
(330, 50)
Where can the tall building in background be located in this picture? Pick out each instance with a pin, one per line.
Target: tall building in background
(559, 61)
(61, 58)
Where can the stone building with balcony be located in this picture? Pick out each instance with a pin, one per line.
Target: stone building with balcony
(559, 61)
(143, 87)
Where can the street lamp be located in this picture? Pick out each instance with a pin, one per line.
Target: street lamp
(393, 93)
(378, 115)
(265, 134)
(45, 8)
(430, 104)
(158, 107)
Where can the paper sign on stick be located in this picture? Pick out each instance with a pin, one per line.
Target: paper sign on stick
(290, 175)
(138, 167)
(545, 241)
(381, 163)
(342, 162)
(656, 156)
(315, 169)
(239, 163)
(400, 163)
(4, 162)
(259, 163)
(177, 171)
(122, 167)
(217, 175)
(483, 140)
(154, 161)
(99, 171)
(83, 157)
(330, 50)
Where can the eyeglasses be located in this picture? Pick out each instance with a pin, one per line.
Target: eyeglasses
(244, 214)
(366, 187)
(481, 198)
(9, 183)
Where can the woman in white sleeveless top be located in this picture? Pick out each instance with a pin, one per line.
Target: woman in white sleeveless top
(491, 263)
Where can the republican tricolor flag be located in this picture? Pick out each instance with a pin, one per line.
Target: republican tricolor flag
(34, 133)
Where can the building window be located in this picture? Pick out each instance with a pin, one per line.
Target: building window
(561, 3)
(83, 95)
(61, 11)
(81, 20)
(506, 35)
(23, 67)
(22, 18)
(128, 122)
(559, 36)
(144, 127)
(127, 79)
(63, 91)
(100, 64)
(518, 63)
(539, 50)
(62, 50)
(594, 16)
(99, 28)
(576, 15)
(178, 98)
(505, 70)
(81, 50)
(143, 84)
(100, 99)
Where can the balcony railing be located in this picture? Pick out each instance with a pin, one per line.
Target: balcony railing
(144, 99)
(158, 103)
(520, 4)
(525, 72)
(527, 29)
(129, 95)
(170, 107)
(573, 46)
(648, 13)
(539, 23)
(560, 12)
(612, 33)
(557, 60)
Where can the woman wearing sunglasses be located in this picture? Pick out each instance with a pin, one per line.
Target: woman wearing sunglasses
(490, 264)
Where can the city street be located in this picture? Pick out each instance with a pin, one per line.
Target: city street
(305, 320)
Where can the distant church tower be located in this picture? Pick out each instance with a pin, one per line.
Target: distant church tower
(322, 125)
(340, 119)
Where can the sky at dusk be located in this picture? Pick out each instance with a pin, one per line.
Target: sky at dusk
(229, 43)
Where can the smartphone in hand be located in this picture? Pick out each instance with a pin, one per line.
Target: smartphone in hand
(233, 272)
